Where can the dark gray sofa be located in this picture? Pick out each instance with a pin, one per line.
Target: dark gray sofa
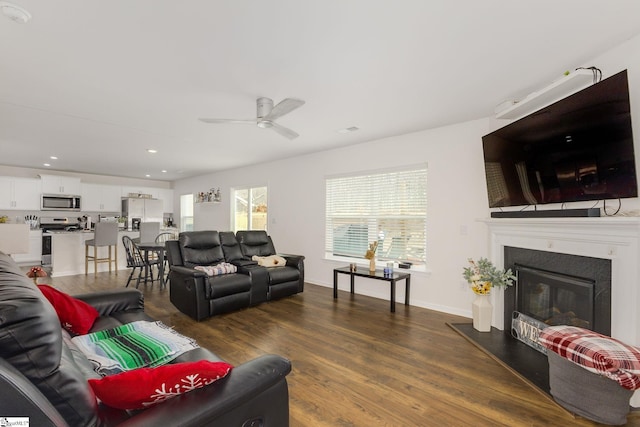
(43, 377)
(201, 296)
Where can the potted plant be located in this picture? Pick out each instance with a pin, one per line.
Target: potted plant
(482, 275)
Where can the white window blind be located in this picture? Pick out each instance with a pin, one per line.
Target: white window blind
(390, 207)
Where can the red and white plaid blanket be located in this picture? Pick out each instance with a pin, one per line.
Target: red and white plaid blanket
(595, 352)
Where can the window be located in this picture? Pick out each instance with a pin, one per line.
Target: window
(186, 212)
(390, 207)
(250, 209)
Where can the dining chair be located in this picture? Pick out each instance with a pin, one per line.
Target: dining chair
(135, 259)
(162, 238)
(105, 234)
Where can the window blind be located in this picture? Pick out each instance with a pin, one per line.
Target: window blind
(390, 207)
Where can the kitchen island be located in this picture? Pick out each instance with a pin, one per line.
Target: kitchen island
(68, 250)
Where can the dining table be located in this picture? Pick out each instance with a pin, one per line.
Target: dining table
(157, 248)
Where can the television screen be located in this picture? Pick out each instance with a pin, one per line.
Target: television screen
(579, 148)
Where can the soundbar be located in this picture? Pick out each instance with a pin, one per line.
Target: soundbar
(553, 213)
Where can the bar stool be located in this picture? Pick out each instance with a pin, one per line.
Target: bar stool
(149, 231)
(106, 234)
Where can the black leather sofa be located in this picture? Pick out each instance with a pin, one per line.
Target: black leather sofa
(43, 377)
(201, 296)
(282, 281)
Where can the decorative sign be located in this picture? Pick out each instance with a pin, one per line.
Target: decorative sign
(527, 329)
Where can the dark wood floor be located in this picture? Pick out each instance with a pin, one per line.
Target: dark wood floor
(357, 364)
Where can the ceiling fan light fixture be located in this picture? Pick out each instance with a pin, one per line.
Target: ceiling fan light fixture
(14, 12)
(265, 124)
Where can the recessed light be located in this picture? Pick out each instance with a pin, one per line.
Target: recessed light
(148, 176)
(53, 158)
(46, 164)
(151, 150)
(348, 130)
(15, 13)
(164, 171)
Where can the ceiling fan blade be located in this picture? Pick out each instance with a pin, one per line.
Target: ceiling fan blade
(286, 132)
(284, 107)
(252, 122)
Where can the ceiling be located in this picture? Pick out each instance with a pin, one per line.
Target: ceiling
(97, 83)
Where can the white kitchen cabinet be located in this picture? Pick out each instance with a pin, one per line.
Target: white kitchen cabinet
(19, 193)
(35, 250)
(54, 184)
(127, 190)
(164, 194)
(100, 198)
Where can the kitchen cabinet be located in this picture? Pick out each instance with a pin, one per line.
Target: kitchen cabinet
(54, 184)
(128, 190)
(164, 194)
(35, 250)
(100, 198)
(19, 193)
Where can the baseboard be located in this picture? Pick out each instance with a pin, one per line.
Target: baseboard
(552, 213)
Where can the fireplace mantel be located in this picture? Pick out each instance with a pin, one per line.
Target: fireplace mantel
(613, 238)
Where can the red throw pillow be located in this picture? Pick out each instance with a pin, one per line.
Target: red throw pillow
(144, 387)
(75, 316)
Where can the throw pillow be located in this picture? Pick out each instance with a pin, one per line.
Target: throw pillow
(215, 270)
(270, 261)
(144, 387)
(75, 316)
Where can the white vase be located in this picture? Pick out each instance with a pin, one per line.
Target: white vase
(482, 311)
(372, 265)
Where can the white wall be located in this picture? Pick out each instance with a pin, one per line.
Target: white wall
(456, 198)
(456, 193)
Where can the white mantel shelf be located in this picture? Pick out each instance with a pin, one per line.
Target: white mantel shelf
(613, 238)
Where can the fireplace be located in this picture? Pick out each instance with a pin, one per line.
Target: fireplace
(559, 289)
(614, 241)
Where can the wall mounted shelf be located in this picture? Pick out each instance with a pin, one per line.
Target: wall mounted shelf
(211, 196)
(561, 88)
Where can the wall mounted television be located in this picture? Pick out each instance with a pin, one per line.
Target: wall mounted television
(577, 149)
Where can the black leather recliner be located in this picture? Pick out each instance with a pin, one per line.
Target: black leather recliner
(195, 293)
(283, 281)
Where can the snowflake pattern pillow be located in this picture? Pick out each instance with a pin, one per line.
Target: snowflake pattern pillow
(144, 387)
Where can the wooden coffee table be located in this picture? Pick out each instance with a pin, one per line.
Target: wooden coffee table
(378, 275)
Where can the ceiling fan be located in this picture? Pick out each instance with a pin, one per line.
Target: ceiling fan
(267, 114)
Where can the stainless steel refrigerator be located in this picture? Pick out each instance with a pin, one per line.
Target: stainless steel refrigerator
(138, 210)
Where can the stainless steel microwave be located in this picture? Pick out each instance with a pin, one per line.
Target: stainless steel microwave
(60, 202)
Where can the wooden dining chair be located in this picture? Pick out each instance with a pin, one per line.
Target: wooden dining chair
(135, 259)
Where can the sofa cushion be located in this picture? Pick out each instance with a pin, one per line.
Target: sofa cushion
(75, 316)
(230, 246)
(200, 248)
(255, 242)
(228, 284)
(31, 340)
(145, 387)
(283, 274)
